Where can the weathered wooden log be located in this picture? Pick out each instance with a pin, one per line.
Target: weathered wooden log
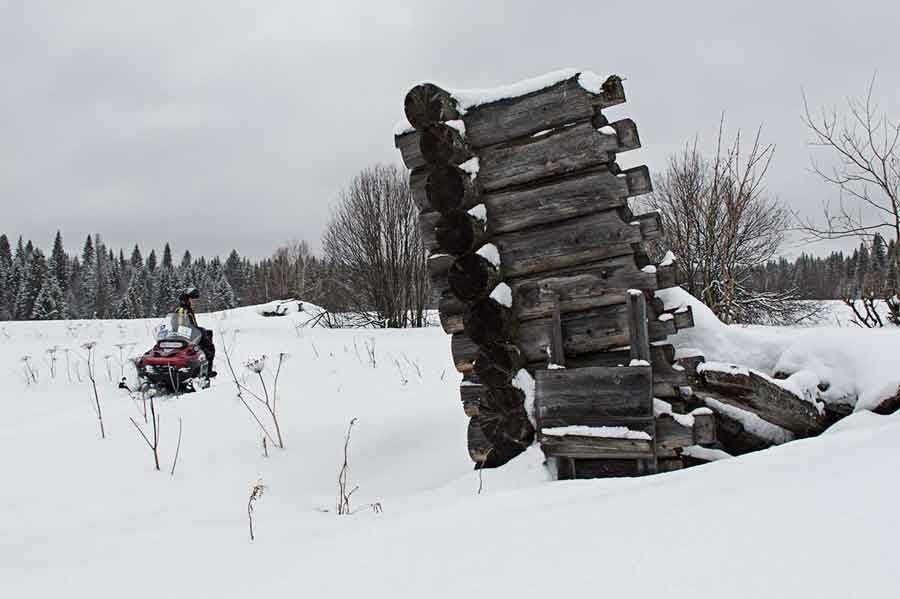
(451, 311)
(438, 264)
(557, 354)
(754, 393)
(667, 276)
(568, 468)
(663, 370)
(581, 240)
(410, 152)
(500, 121)
(458, 232)
(731, 433)
(651, 225)
(638, 180)
(594, 396)
(470, 396)
(672, 434)
(427, 104)
(638, 335)
(417, 182)
(487, 321)
(464, 352)
(559, 152)
(447, 188)
(442, 143)
(576, 446)
(579, 194)
(684, 318)
(496, 365)
(502, 418)
(573, 293)
(620, 272)
(585, 332)
(472, 276)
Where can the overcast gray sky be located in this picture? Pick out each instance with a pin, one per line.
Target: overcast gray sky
(235, 124)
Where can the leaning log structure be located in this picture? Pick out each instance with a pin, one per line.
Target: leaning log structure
(541, 280)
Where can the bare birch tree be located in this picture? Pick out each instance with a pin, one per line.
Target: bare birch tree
(865, 145)
(373, 242)
(721, 224)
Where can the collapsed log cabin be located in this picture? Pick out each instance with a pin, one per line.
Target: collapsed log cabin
(542, 282)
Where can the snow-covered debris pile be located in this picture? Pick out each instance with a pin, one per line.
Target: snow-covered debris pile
(855, 368)
(769, 385)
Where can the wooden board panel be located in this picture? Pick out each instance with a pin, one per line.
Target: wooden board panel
(592, 396)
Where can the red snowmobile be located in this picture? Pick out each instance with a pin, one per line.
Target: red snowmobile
(176, 364)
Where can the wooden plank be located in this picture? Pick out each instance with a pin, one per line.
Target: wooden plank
(581, 240)
(592, 396)
(667, 276)
(557, 353)
(568, 468)
(651, 225)
(638, 336)
(575, 446)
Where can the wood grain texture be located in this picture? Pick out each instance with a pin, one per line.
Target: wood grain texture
(592, 396)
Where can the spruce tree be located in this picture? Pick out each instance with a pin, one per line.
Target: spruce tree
(137, 261)
(167, 257)
(60, 262)
(151, 261)
(50, 303)
(88, 295)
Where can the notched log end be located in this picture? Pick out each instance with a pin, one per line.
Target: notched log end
(638, 180)
(627, 133)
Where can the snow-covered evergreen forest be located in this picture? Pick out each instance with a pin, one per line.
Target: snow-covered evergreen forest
(110, 282)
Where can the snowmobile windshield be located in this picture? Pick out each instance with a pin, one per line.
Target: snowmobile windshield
(177, 327)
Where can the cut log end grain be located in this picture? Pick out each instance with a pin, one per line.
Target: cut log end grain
(497, 364)
(443, 144)
(504, 423)
(472, 276)
(427, 104)
(486, 321)
(445, 188)
(458, 232)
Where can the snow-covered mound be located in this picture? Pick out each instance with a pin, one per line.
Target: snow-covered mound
(854, 366)
(83, 516)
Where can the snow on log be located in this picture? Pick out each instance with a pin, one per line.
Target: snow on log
(497, 115)
(740, 431)
(774, 403)
(581, 240)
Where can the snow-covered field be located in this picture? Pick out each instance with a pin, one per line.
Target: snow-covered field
(81, 516)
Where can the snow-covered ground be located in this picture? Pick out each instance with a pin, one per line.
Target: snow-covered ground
(83, 516)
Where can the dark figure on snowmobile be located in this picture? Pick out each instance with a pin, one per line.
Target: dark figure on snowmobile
(186, 308)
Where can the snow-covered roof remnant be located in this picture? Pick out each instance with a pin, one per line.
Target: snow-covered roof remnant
(605, 432)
